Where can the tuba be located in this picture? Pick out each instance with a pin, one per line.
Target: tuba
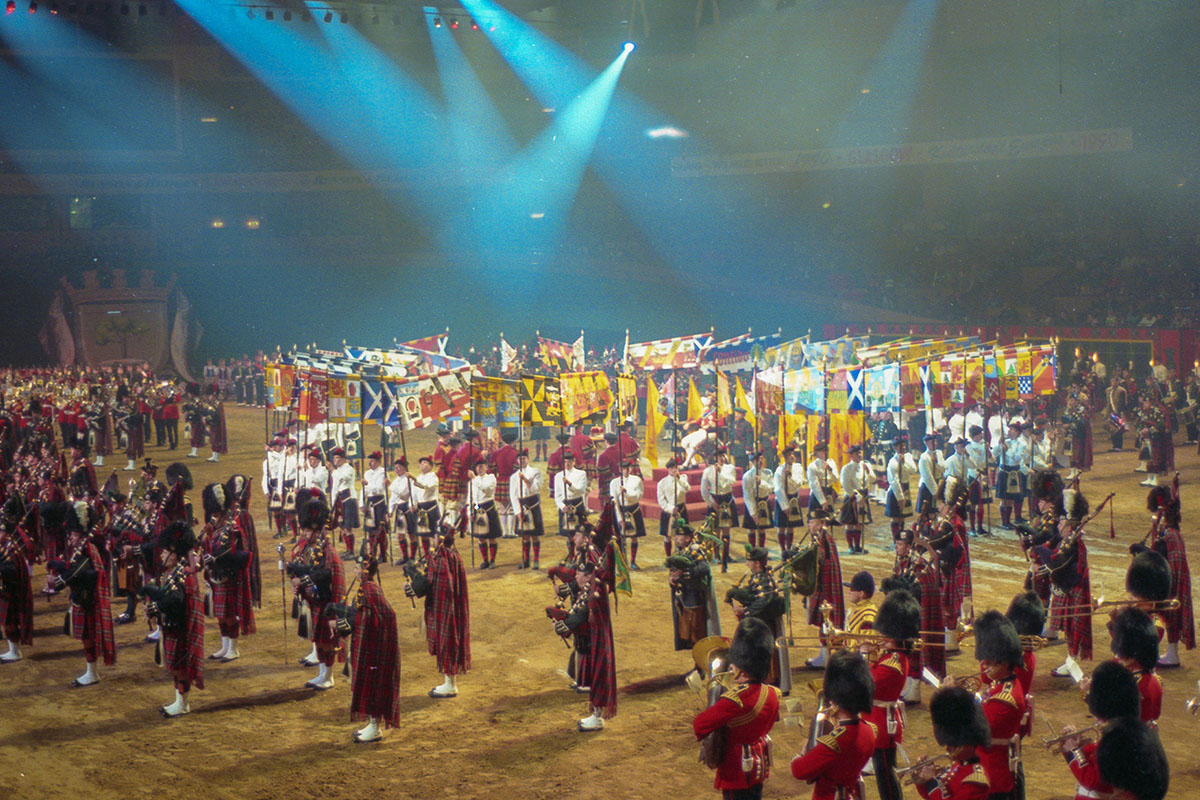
(711, 655)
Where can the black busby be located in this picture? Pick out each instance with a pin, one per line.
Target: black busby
(1131, 757)
(177, 472)
(1135, 637)
(1162, 497)
(1046, 485)
(848, 682)
(237, 491)
(958, 720)
(1113, 693)
(752, 648)
(1149, 576)
(1027, 614)
(899, 616)
(904, 583)
(1075, 505)
(312, 511)
(996, 639)
(177, 538)
(54, 513)
(758, 554)
(212, 499)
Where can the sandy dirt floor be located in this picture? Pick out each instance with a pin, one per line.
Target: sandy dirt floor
(256, 732)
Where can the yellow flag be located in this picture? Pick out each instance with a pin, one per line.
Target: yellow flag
(743, 402)
(655, 419)
(695, 407)
(724, 407)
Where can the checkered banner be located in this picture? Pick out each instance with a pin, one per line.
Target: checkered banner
(541, 403)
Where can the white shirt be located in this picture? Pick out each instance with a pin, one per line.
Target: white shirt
(425, 487)
(1009, 452)
(927, 468)
(973, 418)
(399, 491)
(715, 481)
(531, 488)
(820, 479)
(633, 487)
(897, 467)
(272, 470)
(569, 485)
(374, 482)
(957, 425)
(482, 488)
(977, 451)
(757, 484)
(316, 476)
(959, 467)
(855, 477)
(996, 428)
(343, 480)
(1041, 452)
(786, 482)
(290, 467)
(672, 492)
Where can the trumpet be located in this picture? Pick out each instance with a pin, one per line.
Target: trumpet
(1170, 604)
(1085, 735)
(911, 779)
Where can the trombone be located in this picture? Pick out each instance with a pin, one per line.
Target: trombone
(1170, 604)
(1085, 735)
(906, 775)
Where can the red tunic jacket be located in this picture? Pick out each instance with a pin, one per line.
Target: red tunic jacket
(1086, 770)
(837, 759)
(965, 780)
(735, 710)
(890, 671)
(1004, 707)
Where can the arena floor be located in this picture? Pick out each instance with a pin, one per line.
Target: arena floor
(256, 732)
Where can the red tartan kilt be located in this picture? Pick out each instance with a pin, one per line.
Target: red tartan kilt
(954, 589)
(451, 490)
(82, 623)
(224, 600)
(930, 655)
(174, 649)
(829, 588)
(1075, 624)
(198, 434)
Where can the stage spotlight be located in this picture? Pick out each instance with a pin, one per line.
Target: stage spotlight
(474, 25)
(329, 16)
(10, 6)
(33, 7)
(630, 47)
(454, 24)
(437, 22)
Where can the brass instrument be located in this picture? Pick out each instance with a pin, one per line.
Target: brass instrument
(1193, 704)
(1084, 735)
(906, 775)
(710, 655)
(1170, 604)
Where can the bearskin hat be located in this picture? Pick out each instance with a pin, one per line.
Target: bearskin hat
(1135, 637)
(178, 471)
(996, 639)
(848, 682)
(14, 508)
(899, 616)
(79, 482)
(752, 648)
(1027, 614)
(54, 513)
(897, 583)
(1046, 485)
(1149, 576)
(213, 499)
(1131, 757)
(1161, 497)
(237, 490)
(958, 720)
(79, 517)
(1075, 505)
(312, 511)
(177, 538)
(1113, 693)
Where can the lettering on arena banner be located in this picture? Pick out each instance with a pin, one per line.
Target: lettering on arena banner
(955, 151)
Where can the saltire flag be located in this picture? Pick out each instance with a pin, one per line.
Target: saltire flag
(933, 386)
(744, 401)
(556, 356)
(655, 419)
(626, 398)
(882, 387)
(583, 394)
(724, 405)
(737, 354)
(768, 390)
(855, 396)
(540, 401)
(804, 390)
(495, 403)
(681, 352)
(393, 399)
(373, 399)
(508, 357)
(695, 409)
(836, 394)
(430, 344)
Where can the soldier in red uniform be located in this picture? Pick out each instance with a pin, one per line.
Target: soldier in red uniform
(1132, 761)
(747, 712)
(608, 465)
(1028, 616)
(585, 451)
(899, 619)
(1111, 694)
(833, 765)
(1135, 646)
(504, 461)
(998, 649)
(960, 726)
(463, 461)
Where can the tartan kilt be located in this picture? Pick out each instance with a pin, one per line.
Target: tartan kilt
(1181, 625)
(533, 527)
(930, 654)
(451, 490)
(784, 521)
(663, 520)
(1162, 453)
(894, 509)
(350, 517)
(829, 586)
(757, 520)
(127, 577)
(198, 433)
(602, 678)
(632, 524)
(953, 590)
(848, 513)
(1076, 625)
(231, 600)
(488, 508)
(581, 515)
(1010, 484)
(376, 513)
(733, 511)
(183, 648)
(433, 514)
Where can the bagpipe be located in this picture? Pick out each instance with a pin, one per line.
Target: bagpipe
(341, 615)
(166, 602)
(222, 562)
(78, 574)
(416, 574)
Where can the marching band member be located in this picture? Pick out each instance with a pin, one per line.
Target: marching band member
(672, 502)
(318, 580)
(977, 455)
(1065, 557)
(272, 482)
(862, 604)
(747, 711)
(855, 478)
(1132, 761)
(626, 491)
(374, 657)
(1009, 454)
(716, 489)
(1028, 616)
(834, 763)
(1135, 646)
(898, 506)
(788, 515)
(916, 571)
(1111, 694)
(899, 619)
(829, 584)
(929, 472)
(693, 603)
(1166, 539)
(402, 509)
(426, 487)
(374, 505)
(481, 496)
(90, 619)
(443, 584)
(227, 556)
(998, 649)
(345, 500)
(757, 485)
(525, 495)
(16, 592)
(180, 610)
(570, 492)
(504, 459)
(820, 473)
(959, 726)
(762, 598)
